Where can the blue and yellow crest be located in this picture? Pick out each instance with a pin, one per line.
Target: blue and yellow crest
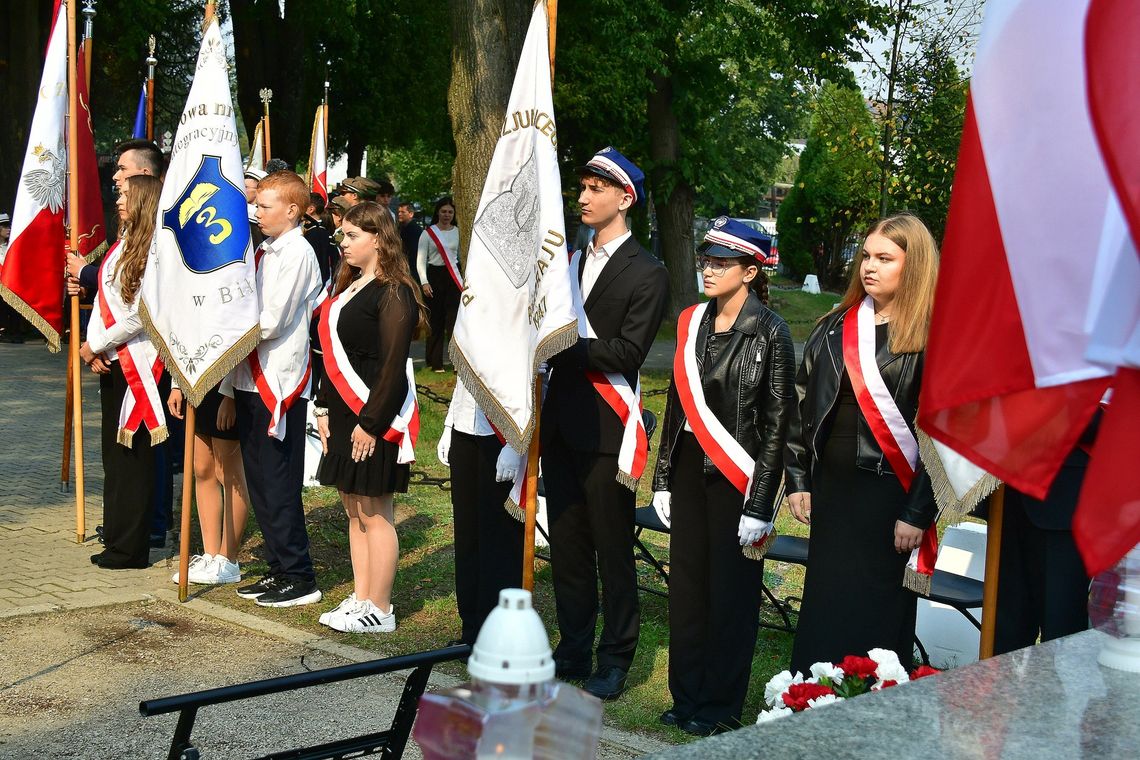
(209, 219)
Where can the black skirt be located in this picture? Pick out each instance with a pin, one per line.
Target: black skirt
(377, 475)
(206, 417)
(854, 599)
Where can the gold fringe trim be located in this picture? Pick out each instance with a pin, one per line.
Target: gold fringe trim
(218, 370)
(628, 481)
(917, 582)
(951, 508)
(97, 254)
(514, 510)
(757, 552)
(27, 312)
(159, 434)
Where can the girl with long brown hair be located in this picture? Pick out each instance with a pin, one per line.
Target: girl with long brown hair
(365, 405)
(851, 464)
(129, 378)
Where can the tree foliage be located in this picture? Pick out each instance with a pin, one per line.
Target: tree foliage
(835, 189)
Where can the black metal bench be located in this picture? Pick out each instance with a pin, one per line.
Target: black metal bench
(389, 743)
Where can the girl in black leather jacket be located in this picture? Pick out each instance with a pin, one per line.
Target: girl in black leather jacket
(851, 466)
(718, 471)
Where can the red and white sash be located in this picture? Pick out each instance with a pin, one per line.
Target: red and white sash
(405, 428)
(142, 367)
(616, 392)
(725, 452)
(887, 424)
(448, 259)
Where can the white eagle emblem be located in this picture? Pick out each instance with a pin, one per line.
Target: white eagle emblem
(47, 183)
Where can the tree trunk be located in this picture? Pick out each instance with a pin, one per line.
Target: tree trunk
(487, 39)
(22, 44)
(673, 197)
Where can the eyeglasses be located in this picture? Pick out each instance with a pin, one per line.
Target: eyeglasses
(717, 269)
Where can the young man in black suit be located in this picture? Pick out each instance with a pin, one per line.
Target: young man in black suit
(624, 292)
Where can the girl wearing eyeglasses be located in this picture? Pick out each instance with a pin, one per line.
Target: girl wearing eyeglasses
(718, 473)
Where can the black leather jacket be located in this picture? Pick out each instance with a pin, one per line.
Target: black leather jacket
(817, 388)
(747, 380)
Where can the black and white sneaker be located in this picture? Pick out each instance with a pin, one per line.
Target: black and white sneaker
(257, 588)
(290, 592)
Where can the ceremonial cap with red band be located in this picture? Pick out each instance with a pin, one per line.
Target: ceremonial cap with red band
(609, 164)
(728, 238)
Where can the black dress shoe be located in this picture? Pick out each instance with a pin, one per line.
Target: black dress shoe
(608, 682)
(107, 564)
(672, 718)
(96, 557)
(568, 670)
(699, 727)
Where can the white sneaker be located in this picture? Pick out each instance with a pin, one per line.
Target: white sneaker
(197, 562)
(345, 605)
(366, 617)
(216, 572)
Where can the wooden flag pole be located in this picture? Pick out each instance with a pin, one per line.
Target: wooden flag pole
(73, 234)
(187, 488)
(266, 96)
(993, 562)
(151, 62)
(88, 36)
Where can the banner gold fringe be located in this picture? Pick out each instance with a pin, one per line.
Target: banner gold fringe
(97, 254)
(917, 582)
(757, 552)
(221, 367)
(952, 509)
(27, 312)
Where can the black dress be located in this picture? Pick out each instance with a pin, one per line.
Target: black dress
(376, 328)
(206, 417)
(854, 599)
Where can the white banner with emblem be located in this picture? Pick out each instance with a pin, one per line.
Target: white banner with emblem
(199, 296)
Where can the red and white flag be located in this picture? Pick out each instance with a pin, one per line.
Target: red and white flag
(31, 274)
(1024, 341)
(318, 156)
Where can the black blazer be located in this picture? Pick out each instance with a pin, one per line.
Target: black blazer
(625, 308)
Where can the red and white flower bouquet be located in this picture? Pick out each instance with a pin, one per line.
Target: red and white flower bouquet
(786, 693)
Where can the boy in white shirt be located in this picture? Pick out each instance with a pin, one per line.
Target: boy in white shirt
(271, 390)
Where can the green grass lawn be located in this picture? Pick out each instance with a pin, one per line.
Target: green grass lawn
(424, 593)
(799, 309)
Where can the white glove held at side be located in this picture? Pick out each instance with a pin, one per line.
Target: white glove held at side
(507, 465)
(661, 503)
(752, 530)
(444, 448)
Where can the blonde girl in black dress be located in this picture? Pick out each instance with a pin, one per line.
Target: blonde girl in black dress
(366, 336)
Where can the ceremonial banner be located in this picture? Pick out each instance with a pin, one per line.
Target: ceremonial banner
(31, 275)
(91, 235)
(318, 156)
(199, 295)
(1013, 374)
(515, 310)
(256, 158)
(139, 132)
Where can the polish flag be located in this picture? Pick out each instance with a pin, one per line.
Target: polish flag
(31, 275)
(318, 156)
(1024, 340)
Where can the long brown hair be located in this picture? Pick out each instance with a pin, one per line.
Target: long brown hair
(142, 192)
(913, 303)
(392, 265)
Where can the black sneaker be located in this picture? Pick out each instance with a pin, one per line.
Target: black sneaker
(256, 589)
(289, 591)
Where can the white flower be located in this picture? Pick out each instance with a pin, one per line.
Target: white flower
(827, 670)
(778, 711)
(826, 699)
(890, 669)
(778, 684)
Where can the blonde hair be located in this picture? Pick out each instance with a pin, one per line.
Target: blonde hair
(143, 192)
(913, 303)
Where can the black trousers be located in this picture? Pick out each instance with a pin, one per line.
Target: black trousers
(714, 593)
(274, 474)
(129, 480)
(1043, 589)
(591, 536)
(488, 541)
(443, 308)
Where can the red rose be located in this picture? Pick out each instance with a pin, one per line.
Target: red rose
(922, 671)
(798, 694)
(859, 667)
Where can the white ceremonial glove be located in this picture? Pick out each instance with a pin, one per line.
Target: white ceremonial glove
(752, 530)
(661, 502)
(444, 448)
(507, 465)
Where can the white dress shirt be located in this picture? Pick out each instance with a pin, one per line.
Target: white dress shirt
(288, 285)
(464, 414)
(103, 340)
(596, 258)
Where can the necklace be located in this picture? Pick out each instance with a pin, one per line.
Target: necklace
(882, 319)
